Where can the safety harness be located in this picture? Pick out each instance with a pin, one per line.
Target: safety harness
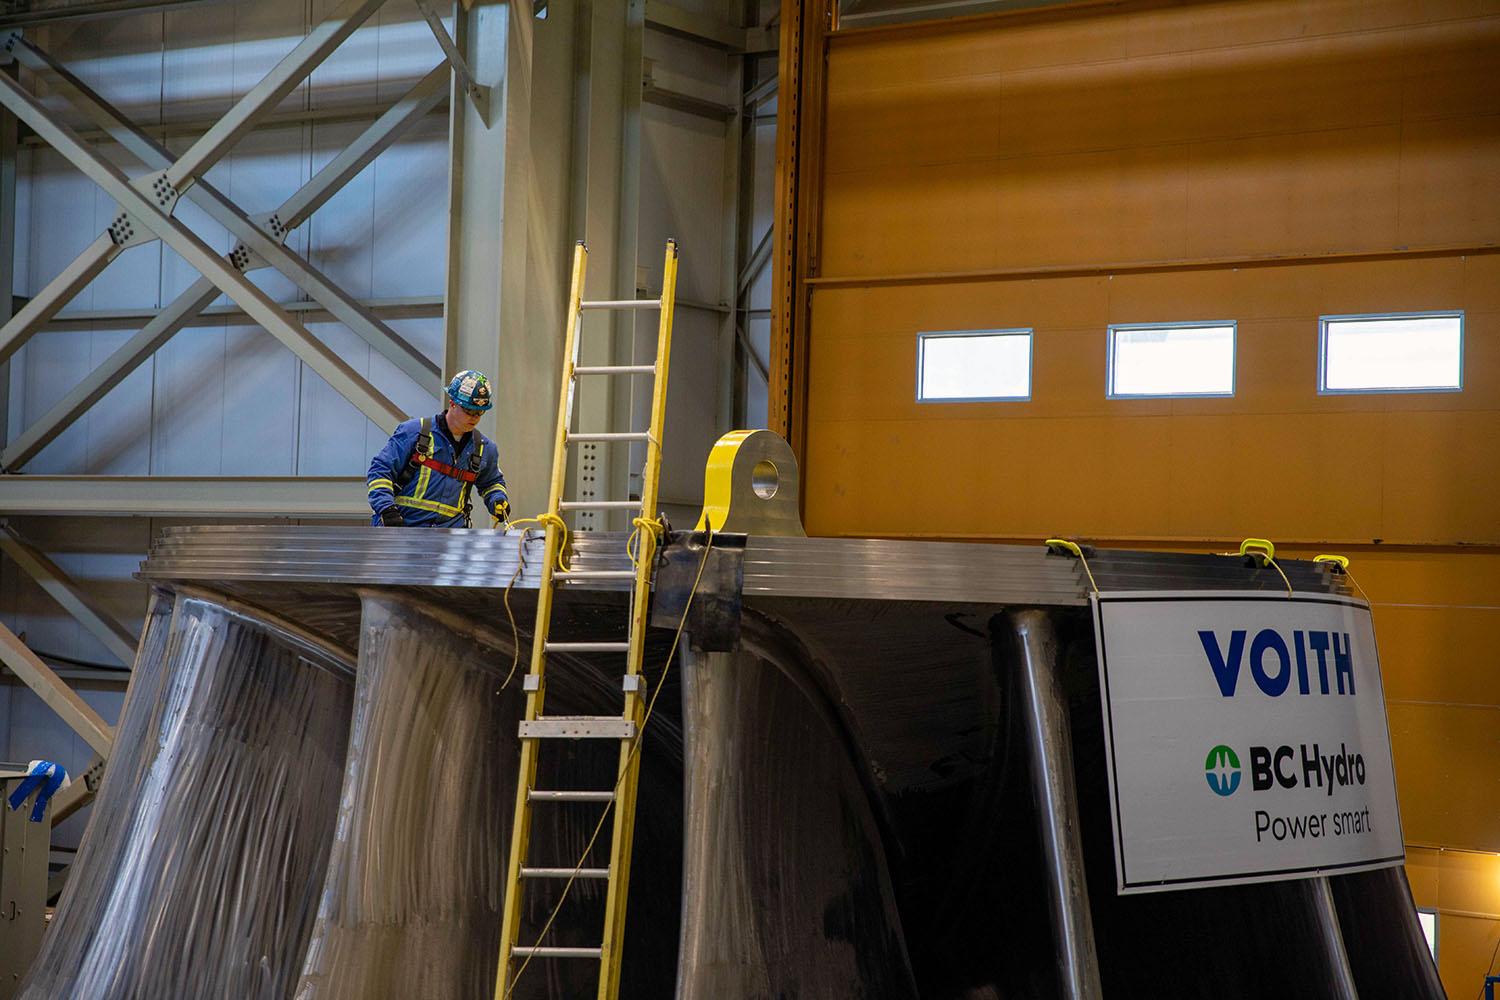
(421, 454)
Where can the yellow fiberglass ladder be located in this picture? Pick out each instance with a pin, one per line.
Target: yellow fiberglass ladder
(536, 728)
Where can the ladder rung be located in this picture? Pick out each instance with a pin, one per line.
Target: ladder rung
(610, 436)
(594, 574)
(621, 304)
(526, 952)
(578, 727)
(614, 369)
(586, 647)
(599, 505)
(565, 873)
(537, 795)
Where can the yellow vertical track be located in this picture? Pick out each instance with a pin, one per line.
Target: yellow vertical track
(624, 800)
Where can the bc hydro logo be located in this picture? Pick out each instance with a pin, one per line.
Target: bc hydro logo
(1222, 769)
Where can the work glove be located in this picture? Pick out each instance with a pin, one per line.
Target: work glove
(391, 518)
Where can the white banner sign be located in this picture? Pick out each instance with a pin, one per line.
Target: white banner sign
(1246, 737)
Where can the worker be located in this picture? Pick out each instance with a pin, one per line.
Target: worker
(427, 471)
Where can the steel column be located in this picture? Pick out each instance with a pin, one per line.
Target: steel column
(729, 260)
(1050, 763)
(62, 589)
(504, 298)
(63, 700)
(799, 143)
(605, 192)
(1327, 917)
(293, 212)
(262, 309)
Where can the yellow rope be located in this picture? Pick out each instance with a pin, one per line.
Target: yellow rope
(1339, 564)
(1063, 545)
(632, 544)
(635, 748)
(542, 520)
(1272, 563)
(1263, 550)
(1364, 596)
(515, 631)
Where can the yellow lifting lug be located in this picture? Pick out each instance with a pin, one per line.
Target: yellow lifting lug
(1339, 564)
(1258, 549)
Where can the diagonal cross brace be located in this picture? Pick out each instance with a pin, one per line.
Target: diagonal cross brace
(62, 589)
(479, 94)
(181, 311)
(256, 303)
(204, 153)
(263, 241)
(77, 713)
(265, 95)
(59, 292)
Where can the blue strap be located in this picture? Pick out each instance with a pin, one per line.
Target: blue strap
(46, 776)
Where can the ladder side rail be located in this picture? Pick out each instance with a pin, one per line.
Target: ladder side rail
(520, 835)
(622, 841)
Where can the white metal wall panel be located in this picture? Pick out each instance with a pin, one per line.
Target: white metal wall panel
(188, 417)
(265, 167)
(260, 404)
(115, 428)
(404, 48)
(342, 231)
(682, 195)
(121, 58)
(264, 32)
(410, 196)
(62, 219)
(335, 439)
(53, 360)
(22, 247)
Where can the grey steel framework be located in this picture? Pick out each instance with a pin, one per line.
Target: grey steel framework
(148, 203)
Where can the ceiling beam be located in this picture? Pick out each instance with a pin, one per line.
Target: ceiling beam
(300, 497)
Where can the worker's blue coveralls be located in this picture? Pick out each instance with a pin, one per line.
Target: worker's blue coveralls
(428, 497)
